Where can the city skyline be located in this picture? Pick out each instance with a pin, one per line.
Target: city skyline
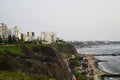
(9, 35)
(72, 20)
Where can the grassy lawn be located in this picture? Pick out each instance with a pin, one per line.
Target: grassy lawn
(16, 49)
(11, 75)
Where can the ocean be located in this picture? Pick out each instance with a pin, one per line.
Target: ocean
(112, 64)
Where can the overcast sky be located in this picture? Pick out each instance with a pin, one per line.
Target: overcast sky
(70, 19)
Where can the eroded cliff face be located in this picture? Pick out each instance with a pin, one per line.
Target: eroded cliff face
(66, 48)
(39, 60)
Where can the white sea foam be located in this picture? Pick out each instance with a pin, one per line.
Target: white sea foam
(113, 62)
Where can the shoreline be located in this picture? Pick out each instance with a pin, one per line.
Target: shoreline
(102, 74)
(95, 73)
(97, 65)
(99, 73)
(93, 64)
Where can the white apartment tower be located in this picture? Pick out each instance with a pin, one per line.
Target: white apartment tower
(31, 36)
(3, 31)
(15, 32)
(48, 37)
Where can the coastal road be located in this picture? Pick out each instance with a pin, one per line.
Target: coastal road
(92, 69)
(70, 71)
(94, 73)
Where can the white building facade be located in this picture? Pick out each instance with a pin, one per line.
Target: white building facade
(3, 31)
(15, 32)
(31, 36)
(48, 37)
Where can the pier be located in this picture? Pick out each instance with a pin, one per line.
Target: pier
(110, 54)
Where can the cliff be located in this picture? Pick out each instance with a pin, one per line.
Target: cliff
(37, 61)
(66, 48)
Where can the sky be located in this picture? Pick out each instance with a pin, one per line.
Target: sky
(78, 20)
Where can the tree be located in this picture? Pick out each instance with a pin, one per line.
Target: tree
(14, 40)
(9, 39)
(1, 40)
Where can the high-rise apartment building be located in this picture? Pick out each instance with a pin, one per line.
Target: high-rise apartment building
(48, 37)
(30, 35)
(3, 31)
(15, 32)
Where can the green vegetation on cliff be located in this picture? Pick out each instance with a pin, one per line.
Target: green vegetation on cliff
(11, 48)
(12, 75)
(66, 48)
(79, 66)
(37, 62)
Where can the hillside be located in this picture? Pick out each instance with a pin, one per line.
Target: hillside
(34, 62)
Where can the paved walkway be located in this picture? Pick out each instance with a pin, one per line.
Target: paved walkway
(70, 71)
(94, 73)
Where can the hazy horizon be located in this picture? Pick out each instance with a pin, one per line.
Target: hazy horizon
(79, 20)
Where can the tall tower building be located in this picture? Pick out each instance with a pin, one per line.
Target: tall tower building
(31, 36)
(15, 32)
(48, 37)
(3, 31)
